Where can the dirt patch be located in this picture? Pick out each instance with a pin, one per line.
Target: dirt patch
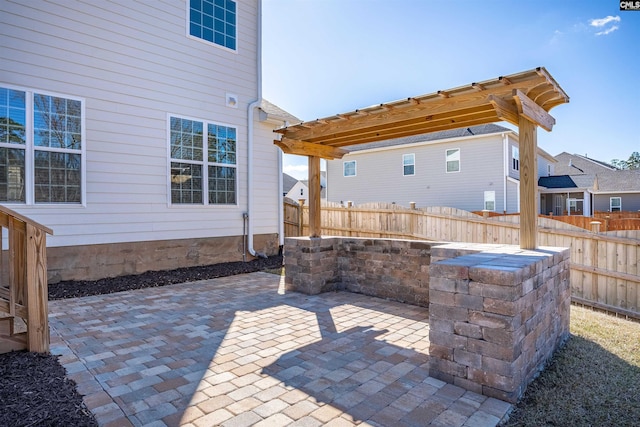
(34, 390)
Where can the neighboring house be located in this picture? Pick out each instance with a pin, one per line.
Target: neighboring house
(137, 132)
(583, 186)
(288, 182)
(300, 189)
(476, 168)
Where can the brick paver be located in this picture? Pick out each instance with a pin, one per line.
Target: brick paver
(239, 351)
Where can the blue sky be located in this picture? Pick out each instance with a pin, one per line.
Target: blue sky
(323, 57)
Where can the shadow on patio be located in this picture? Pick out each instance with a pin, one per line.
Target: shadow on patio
(239, 351)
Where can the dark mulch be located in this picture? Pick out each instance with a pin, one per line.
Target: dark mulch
(34, 390)
(150, 279)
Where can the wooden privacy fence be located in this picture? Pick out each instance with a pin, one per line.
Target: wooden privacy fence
(604, 266)
(24, 310)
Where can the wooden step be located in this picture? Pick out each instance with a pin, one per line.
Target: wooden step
(13, 335)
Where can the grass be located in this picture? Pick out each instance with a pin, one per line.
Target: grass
(594, 380)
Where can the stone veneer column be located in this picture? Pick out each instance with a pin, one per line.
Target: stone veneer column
(310, 264)
(496, 316)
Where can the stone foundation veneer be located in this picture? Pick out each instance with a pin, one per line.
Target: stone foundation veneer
(496, 312)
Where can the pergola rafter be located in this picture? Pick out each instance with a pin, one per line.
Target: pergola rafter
(523, 99)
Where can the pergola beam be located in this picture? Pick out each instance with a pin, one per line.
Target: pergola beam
(302, 148)
(532, 111)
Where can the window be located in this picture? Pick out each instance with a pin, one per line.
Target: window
(615, 204)
(453, 160)
(349, 168)
(515, 158)
(214, 21)
(53, 145)
(202, 165)
(408, 164)
(490, 200)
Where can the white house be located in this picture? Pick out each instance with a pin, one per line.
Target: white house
(138, 133)
(475, 168)
(300, 189)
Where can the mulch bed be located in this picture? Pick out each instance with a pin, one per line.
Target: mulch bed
(34, 390)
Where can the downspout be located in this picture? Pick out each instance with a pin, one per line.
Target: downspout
(280, 200)
(250, 117)
(505, 167)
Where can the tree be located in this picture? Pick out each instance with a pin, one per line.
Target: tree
(633, 162)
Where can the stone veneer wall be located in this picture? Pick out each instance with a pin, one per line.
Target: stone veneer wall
(496, 312)
(496, 316)
(385, 268)
(93, 262)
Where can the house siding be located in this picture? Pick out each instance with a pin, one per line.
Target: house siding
(630, 202)
(513, 201)
(380, 175)
(133, 65)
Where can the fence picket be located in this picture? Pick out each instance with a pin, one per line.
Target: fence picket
(604, 269)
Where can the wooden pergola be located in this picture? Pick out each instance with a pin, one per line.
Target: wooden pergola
(523, 99)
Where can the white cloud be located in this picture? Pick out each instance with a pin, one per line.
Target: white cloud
(607, 31)
(604, 21)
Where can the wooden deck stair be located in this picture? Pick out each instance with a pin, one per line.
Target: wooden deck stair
(13, 333)
(24, 310)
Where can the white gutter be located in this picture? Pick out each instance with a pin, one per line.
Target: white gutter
(250, 118)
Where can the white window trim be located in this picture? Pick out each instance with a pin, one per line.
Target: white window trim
(204, 163)
(355, 168)
(611, 203)
(447, 161)
(515, 150)
(207, 42)
(29, 147)
(491, 199)
(413, 155)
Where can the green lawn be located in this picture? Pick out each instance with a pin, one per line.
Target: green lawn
(594, 380)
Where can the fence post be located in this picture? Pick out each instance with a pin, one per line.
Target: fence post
(595, 226)
(300, 212)
(414, 220)
(349, 206)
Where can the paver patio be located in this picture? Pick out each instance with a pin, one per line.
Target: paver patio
(239, 351)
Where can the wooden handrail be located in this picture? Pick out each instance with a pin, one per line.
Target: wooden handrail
(25, 294)
(25, 219)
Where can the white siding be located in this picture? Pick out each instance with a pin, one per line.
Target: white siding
(380, 175)
(133, 64)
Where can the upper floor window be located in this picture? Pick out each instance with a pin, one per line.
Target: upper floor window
(615, 204)
(408, 164)
(453, 160)
(515, 158)
(52, 144)
(214, 21)
(349, 168)
(203, 162)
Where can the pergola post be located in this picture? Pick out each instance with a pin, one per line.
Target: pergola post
(315, 228)
(528, 183)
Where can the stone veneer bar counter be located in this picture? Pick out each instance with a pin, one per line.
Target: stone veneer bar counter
(496, 312)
